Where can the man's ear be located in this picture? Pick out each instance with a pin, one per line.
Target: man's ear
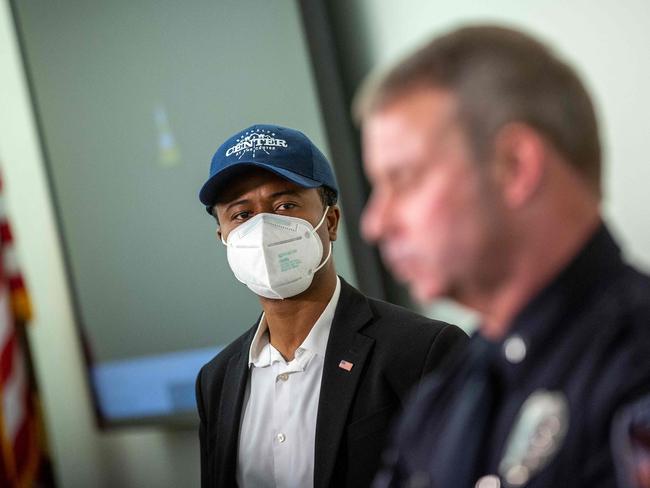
(213, 212)
(332, 220)
(520, 161)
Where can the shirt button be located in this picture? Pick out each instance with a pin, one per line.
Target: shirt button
(281, 437)
(283, 377)
(489, 481)
(514, 349)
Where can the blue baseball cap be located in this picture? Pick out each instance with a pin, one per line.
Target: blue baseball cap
(286, 152)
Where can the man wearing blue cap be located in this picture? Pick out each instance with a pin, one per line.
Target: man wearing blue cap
(305, 396)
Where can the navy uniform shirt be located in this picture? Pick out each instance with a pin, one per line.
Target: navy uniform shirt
(555, 403)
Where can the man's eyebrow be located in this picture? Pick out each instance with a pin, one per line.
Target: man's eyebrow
(282, 193)
(277, 194)
(236, 202)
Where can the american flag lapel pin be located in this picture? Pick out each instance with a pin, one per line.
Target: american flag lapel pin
(346, 365)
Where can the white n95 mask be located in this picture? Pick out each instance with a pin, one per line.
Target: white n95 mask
(276, 256)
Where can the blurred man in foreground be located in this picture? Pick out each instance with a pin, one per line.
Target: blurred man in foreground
(483, 153)
(305, 396)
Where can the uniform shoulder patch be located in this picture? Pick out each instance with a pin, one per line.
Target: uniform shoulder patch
(630, 439)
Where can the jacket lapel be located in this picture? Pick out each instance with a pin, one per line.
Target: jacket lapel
(340, 381)
(229, 414)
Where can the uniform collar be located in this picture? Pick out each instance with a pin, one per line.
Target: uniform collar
(541, 322)
(261, 353)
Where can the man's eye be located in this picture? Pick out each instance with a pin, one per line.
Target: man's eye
(241, 216)
(286, 206)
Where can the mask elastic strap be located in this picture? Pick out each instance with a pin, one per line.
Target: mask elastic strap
(322, 219)
(329, 253)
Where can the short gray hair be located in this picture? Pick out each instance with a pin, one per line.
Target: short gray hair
(498, 75)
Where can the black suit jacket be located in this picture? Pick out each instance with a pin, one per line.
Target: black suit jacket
(391, 349)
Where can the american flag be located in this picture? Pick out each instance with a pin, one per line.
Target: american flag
(346, 365)
(23, 460)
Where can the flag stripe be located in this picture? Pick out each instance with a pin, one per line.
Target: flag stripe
(23, 462)
(5, 232)
(13, 400)
(7, 360)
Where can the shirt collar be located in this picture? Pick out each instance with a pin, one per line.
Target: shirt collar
(262, 354)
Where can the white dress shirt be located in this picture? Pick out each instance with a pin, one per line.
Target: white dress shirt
(278, 423)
